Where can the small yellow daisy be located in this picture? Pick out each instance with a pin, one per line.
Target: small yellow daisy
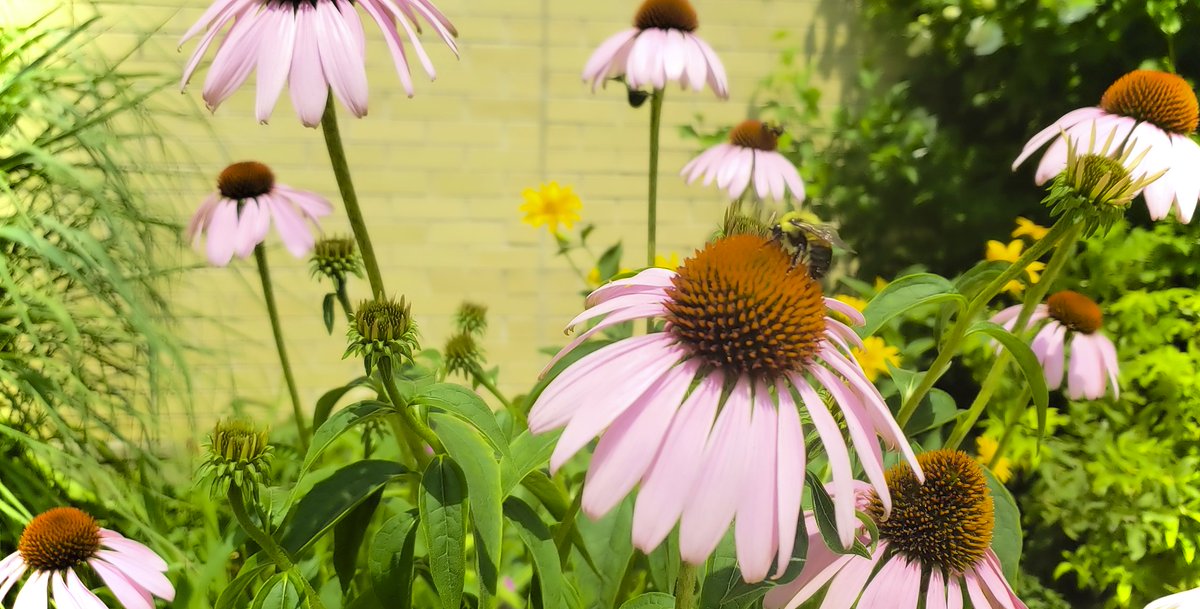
(1029, 228)
(874, 357)
(551, 205)
(1010, 253)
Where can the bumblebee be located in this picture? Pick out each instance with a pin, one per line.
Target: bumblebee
(807, 238)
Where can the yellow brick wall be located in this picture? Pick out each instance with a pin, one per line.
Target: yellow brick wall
(440, 175)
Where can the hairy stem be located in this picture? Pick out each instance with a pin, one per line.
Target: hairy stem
(411, 421)
(685, 587)
(264, 273)
(341, 170)
(656, 101)
(274, 551)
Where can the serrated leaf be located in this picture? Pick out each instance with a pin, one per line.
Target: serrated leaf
(390, 561)
(355, 414)
(348, 537)
(1026, 361)
(327, 311)
(650, 600)
(482, 473)
(443, 509)
(905, 294)
(540, 543)
(468, 406)
(333, 498)
(1007, 536)
(327, 401)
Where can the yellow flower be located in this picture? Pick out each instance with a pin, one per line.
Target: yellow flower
(986, 449)
(880, 283)
(593, 278)
(858, 303)
(875, 356)
(1029, 228)
(551, 205)
(1010, 253)
(667, 262)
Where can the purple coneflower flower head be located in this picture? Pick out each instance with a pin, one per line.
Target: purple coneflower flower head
(661, 47)
(1188, 599)
(750, 157)
(934, 548)
(58, 542)
(1071, 317)
(707, 415)
(310, 46)
(237, 217)
(1154, 112)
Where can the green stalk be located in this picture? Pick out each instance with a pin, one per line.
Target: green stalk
(274, 551)
(1010, 426)
(343, 298)
(656, 101)
(482, 379)
(685, 587)
(341, 170)
(264, 273)
(957, 333)
(411, 421)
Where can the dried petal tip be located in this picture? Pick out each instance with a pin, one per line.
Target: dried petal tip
(335, 258)
(472, 318)
(667, 15)
(382, 331)
(59, 539)
(1163, 99)
(948, 521)
(245, 180)
(1075, 311)
(755, 134)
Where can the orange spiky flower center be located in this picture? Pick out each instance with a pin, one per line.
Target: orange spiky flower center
(754, 134)
(245, 180)
(946, 522)
(666, 15)
(1075, 311)
(1165, 100)
(742, 306)
(59, 539)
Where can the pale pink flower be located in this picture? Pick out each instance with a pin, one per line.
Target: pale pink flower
(953, 547)
(237, 217)
(1188, 599)
(310, 46)
(1155, 113)
(1076, 319)
(61, 540)
(706, 414)
(661, 47)
(751, 153)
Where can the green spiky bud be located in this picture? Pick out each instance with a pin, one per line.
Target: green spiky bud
(463, 354)
(382, 329)
(238, 455)
(472, 318)
(335, 258)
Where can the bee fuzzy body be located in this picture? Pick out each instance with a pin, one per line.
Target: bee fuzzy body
(808, 241)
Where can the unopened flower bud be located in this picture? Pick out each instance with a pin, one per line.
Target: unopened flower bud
(238, 455)
(335, 258)
(472, 318)
(382, 329)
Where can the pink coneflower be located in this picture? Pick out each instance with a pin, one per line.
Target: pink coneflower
(236, 217)
(662, 46)
(1093, 356)
(935, 546)
(707, 414)
(309, 45)
(1188, 599)
(1149, 110)
(750, 154)
(63, 539)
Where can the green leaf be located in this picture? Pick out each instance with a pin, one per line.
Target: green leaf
(278, 593)
(348, 537)
(905, 294)
(1007, 537)
(1026, 361)
(540, 542)
(724, 588)
(527, 453)
(482, 473)
(663, 562)
(610, 262)
(937, 409)
(468, 406)
(326, 403)
(330, 500)
(355, 414)
(443, 509)
(234, 594)
(390, 561)
(969, 283)
(327, 311)
(609, 543)
(823, 513)
(650, 600)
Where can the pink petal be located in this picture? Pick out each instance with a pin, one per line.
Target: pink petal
(995, 586)
(235, 59)
(35, 593)
(247, 228)
(850, 312)
(1085, 374)
(865, 445)
(311, 204)
(1187, 179)
(630, 313)
(609, 57)
(849, 583)
(83, 596)
(1108, 355)
(290, 226)
(651, 278)
(1050, 351)
(935, 598)
(135, 550)
(674, 55)
(223, 233)
(716, 70)
(11, 570)
(418, 48)
(1045, 135)
(62, 598)
(145, 576)
(978, 599)
(227, 11)
(791, 458)
(307, 84)
(279, 35)
(839, 460)
(341, 61)
(199, 222)
(127, 591)
(377, 10)
(755, 533)
(954, 596)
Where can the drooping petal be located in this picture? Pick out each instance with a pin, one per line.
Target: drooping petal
(391, 37)
(975, 591)
(1051, 352)
(127, 591)
(839, 460)
(307, 85)
(136, 550)
(146, 577)
(341, 61)
(791, 456)
(234, 60)
(11, 570)
(223, 233)
(85, 597)
(755, 533)
(1085, 374)
(35, 593)
(865, 444)
(1045, 135)
(63, 599)
(279, 35)
(935, 598)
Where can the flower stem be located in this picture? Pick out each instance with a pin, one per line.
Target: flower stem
(344, 299)
(656, 101)
(341, 170)
(276, 553)
(957, 333)
(264, 273)
(482, 379)
(1010, 426)
(412, 421)
(685, 587)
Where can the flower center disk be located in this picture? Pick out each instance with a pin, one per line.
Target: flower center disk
(245, 180)
(754, 134)
(667, 15)
(1075, 311)
(1162, 99)
(59, 539)
(946, 522)
(741, 306)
